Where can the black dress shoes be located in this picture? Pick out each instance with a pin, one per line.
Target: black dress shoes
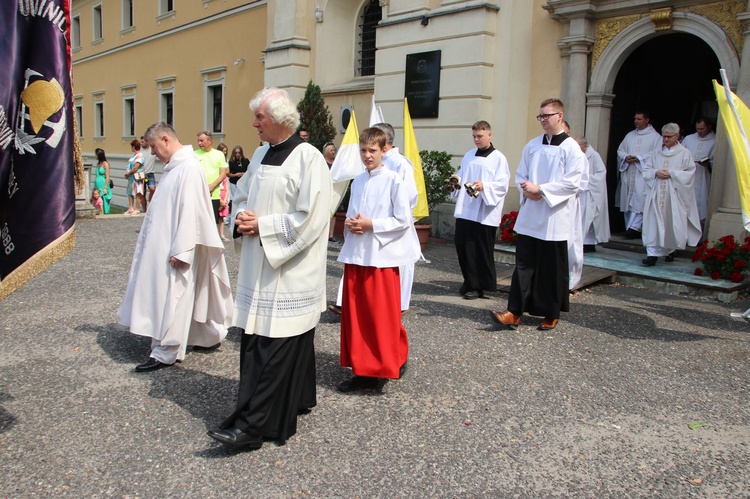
(632, 234)
(649, 261)
(474, 294)
(404, 368)
(151, 365)
(358, 383)
(670, 257)
(198, 348)
(236, 438)
(463, 289)
(589, 248)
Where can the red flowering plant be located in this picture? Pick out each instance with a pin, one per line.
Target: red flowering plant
(507, 234)
(726, 259)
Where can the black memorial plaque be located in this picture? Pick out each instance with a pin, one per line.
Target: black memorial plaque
(422, 88)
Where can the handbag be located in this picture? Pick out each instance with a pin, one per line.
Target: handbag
(111, 184)
(139, 176)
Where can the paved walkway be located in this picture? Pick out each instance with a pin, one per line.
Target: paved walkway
(635, 394)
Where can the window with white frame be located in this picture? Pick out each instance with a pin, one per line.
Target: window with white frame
(75, 30)
(98, 114)
(97, 20)
(215, 108)
(165, 86)
(128, 117)
(79, 116)
(99, 119)
(166, 6)
(371, 15)
(127, 14)
(166, 108)
(213, 94)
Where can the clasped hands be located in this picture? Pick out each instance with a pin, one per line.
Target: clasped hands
(530, 190)
(247, 223)
(663, 174)
(358, 224)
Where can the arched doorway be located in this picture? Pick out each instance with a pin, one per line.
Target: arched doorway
(670, 77)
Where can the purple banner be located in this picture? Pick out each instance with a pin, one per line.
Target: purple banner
(37, 169)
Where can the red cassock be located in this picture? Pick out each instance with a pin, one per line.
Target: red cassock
(373, 340)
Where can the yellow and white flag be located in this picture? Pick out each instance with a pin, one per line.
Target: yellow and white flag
(736, 118)
(411, 152)
(376, 114)
(347, 163)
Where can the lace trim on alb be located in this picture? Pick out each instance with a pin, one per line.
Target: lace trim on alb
(280, 305)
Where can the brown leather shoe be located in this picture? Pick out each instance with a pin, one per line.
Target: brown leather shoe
(548, 324)
(507, 318)
(335, 309)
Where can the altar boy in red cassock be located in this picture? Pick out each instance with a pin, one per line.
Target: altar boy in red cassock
(379, 237)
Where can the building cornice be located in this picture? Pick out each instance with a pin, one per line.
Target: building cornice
(443, 11)
(195, 24)
(565, 10)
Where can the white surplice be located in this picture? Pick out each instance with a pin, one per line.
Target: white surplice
(189, 305)
(631, 189)
(701, 148)
(493, 172)
(281, 281)
(670, 216)
(558, 171)
(594, 201)
(381, 196)
(397, 162)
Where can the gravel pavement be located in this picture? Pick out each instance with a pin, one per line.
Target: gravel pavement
(635, 394)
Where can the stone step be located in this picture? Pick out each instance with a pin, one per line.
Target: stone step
(677, 277)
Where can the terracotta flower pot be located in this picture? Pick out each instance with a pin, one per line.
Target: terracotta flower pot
(338, 226)
(423, 234)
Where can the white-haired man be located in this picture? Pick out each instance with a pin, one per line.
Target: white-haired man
(670, 215)
(282, 208)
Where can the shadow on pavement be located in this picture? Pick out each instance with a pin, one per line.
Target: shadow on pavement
(7, 420)
(626, 324)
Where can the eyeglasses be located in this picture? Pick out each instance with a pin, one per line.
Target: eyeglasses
(545, 117)
(669, 136)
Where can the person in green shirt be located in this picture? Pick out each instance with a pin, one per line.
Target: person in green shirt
(215, 169)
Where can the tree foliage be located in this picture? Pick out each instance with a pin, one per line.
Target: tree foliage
(437, 167)
(315, 117)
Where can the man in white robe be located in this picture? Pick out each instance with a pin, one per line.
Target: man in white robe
(397, 162)
(595, 220)
(478, 213)
(178, 291)
(630, 195)
(282, 215)
(575, 241)
(549, 178)
(701, 146)
(670, 216)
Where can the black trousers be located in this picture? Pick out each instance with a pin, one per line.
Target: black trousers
(277, 380)
(540, 282)
(475, 247)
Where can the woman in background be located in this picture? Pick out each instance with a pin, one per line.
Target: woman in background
(101, 181)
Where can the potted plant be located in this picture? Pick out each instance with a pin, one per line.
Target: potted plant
(507, 224)
(726, 259)
(437, 167)
(340, 216)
